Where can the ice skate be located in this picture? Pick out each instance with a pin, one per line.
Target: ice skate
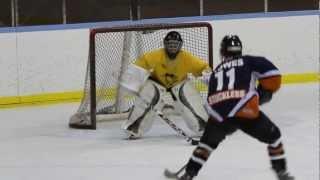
(185, 176)
(284, 176)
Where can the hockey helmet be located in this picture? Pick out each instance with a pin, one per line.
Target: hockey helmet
(172, 44)
(231, 46)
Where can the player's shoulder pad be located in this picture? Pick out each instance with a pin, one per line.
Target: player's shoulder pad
(257, 61)
(250, 57)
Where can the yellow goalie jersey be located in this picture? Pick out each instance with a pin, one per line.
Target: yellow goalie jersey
(169, 72)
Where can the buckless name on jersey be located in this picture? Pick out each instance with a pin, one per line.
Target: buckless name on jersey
(232, 86)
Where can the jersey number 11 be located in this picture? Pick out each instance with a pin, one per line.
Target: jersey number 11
(220, 79)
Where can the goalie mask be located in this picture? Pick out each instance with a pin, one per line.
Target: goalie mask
(172, 44)
(230, 46)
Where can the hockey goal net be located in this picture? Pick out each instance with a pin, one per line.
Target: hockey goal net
(112, 50)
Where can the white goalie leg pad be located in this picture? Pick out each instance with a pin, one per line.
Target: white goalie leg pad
(143, 113)
(191, 105)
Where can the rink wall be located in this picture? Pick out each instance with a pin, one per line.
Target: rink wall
(47, 64)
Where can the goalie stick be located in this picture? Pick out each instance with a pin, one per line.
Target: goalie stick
(177, 129)
(173, 175)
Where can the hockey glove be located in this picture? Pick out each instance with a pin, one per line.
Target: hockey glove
(264, 95)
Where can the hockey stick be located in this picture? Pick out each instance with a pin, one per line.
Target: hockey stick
(173, 175)
(177, 129)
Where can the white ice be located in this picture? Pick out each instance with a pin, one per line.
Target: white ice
(36, 144)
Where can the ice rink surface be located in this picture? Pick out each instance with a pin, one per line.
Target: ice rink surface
(36, 144)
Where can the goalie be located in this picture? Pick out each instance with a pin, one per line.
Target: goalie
(158, 72)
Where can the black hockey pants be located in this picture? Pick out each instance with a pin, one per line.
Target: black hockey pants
(261, 128)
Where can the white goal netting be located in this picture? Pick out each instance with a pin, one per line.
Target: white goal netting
(113, 49)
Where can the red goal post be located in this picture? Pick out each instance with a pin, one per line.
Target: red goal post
(111, 50)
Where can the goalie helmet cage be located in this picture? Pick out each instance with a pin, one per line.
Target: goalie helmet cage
(111, 50)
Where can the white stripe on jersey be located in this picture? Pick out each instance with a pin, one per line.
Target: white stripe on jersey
(270, 73)
(242, 101)
(213, 113)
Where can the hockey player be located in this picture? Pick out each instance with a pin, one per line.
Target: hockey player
(233, 103)
(168, 69)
